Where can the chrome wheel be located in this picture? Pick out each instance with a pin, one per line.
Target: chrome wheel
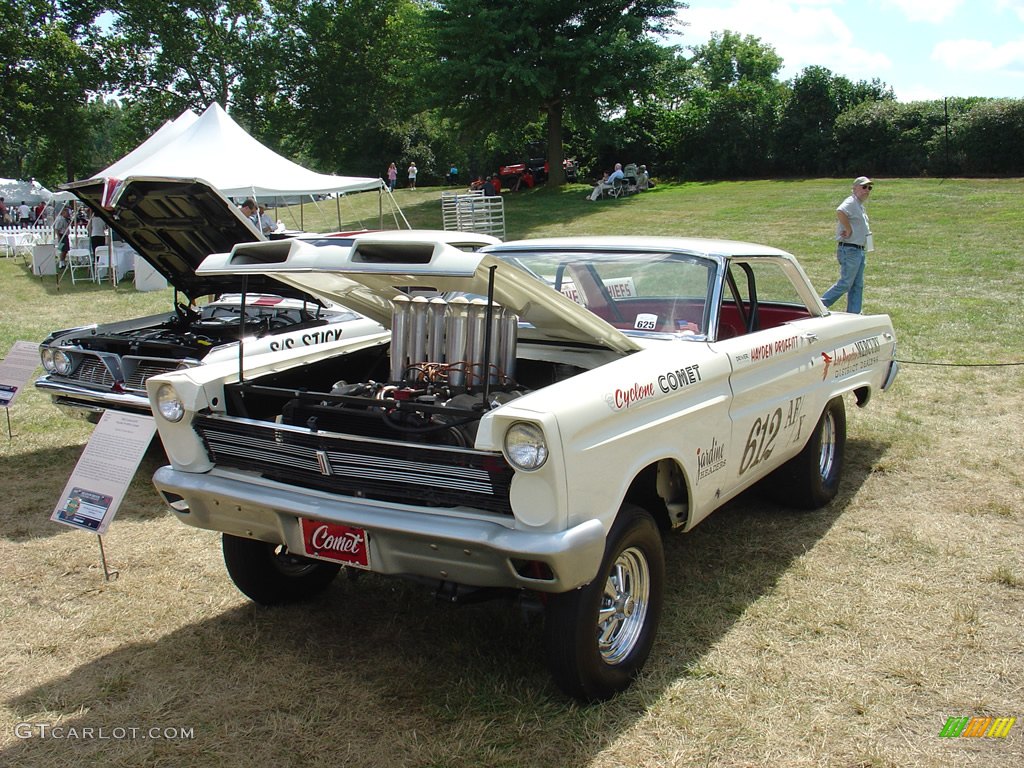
(291, 566)
(598, 636)
(827, 449)
(623, 611)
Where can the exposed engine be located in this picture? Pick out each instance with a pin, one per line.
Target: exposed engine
(450, 361)
(189, 333)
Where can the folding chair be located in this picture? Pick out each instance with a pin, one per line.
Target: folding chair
(618, 188)
(80, 264)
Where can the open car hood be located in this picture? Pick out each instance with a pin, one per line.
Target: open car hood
(377, 269)
(175, 223)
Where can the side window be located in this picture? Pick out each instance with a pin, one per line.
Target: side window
(759, 294)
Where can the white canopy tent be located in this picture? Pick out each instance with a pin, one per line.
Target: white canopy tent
(214, 148)
(15, 191)
(163, 135)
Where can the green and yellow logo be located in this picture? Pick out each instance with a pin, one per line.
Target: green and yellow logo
(977, 727)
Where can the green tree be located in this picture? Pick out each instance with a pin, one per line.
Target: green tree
(50, 80)
(183, 53)
(805, 142)
(510, 61)
(730, 111)
(348, 79)
(729, 59)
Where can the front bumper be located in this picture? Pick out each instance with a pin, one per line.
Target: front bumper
(82, 401)
(435, 543)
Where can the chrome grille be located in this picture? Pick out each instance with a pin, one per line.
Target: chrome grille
(411, 473)
(141, 369)
(92, 371)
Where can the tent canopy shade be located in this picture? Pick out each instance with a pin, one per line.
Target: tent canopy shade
(161, 137)
(215, 148)
(14, 191)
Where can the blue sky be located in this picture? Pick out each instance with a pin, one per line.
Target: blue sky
(924, 49)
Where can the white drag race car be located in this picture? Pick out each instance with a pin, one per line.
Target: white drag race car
(540, 415)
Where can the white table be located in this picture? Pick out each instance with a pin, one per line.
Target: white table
(18, 241)
(147, 278)
(122, 260)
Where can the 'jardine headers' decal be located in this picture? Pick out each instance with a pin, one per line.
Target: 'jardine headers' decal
(710, 459)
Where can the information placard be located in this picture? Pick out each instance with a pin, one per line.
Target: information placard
(105, 469)
(16, 369)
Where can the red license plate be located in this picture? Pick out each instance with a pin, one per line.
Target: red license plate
(338, 543)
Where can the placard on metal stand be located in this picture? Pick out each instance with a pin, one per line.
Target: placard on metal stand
(15, 371)
(101, 477)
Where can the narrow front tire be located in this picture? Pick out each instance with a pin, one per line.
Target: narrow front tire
(598, 637)
(270, 575)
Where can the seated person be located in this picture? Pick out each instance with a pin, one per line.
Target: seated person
(267, 224)
(643, 179)
(607, 182)
(496, 181)
(489, 190)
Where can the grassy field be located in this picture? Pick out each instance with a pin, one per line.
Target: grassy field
(843, 637)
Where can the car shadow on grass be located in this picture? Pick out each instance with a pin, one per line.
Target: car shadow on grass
(376, 672)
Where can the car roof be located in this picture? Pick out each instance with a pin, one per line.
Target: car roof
(712, 247)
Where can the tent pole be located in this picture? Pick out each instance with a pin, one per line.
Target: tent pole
(337, 204)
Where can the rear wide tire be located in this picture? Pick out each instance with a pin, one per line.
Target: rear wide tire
(811, 478)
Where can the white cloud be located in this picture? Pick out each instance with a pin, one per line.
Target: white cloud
(1014, 6)
(980, 56)
(919, 93)
(934, 11)
(803, 33)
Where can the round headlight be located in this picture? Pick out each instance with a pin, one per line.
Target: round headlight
(47, 355)
(525, 447)
(167, 402)
(61, 363)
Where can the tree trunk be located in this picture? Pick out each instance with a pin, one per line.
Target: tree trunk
(556, 174)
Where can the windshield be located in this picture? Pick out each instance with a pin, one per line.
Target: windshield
(636, 293)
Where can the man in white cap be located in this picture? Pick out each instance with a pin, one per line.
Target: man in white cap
(853, 237)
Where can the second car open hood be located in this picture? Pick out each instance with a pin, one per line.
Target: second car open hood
(175, 223)
(368, 276)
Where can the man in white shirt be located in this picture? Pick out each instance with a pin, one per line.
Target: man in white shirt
(853, 241)
(607, 183)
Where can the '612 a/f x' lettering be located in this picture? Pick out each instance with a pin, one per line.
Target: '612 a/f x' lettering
(761, 440)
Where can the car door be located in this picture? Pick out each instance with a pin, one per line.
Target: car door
(775, 378)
